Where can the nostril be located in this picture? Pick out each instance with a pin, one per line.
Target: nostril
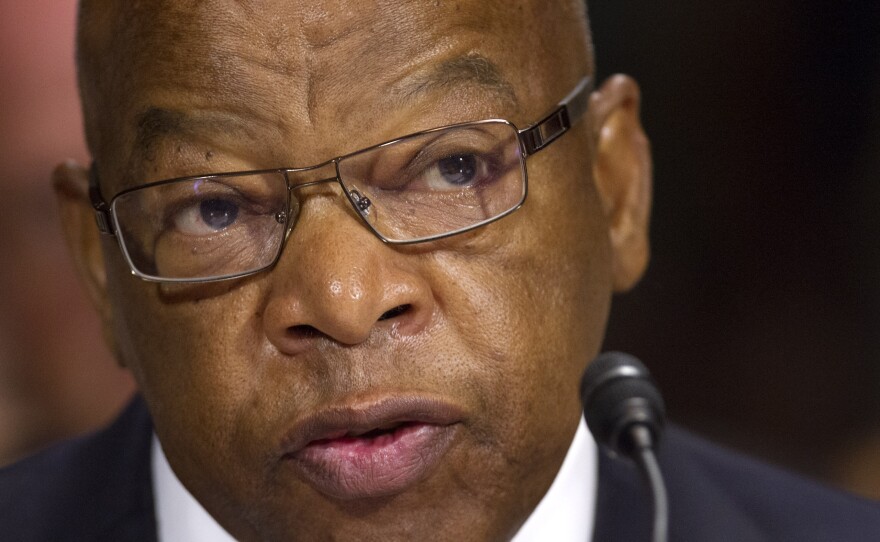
(395, 312)
(303, 332)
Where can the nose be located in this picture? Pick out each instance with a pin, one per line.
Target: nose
(336, 280)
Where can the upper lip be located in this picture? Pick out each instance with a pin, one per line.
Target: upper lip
(356, 419)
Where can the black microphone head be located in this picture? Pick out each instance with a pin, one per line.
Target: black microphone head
(617, 392)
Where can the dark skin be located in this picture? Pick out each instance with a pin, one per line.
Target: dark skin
(499, 322)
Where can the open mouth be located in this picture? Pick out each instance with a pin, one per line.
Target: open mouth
(379, 450)
(378, 436)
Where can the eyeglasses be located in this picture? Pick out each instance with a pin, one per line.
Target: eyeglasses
(420, 187)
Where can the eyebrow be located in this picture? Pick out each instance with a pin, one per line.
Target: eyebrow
(154, 123)
(469, 69)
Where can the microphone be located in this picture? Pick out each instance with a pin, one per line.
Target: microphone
(625, 412)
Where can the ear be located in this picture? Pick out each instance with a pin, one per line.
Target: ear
(622, 171)
(71, 185)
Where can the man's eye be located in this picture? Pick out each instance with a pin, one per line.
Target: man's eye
(206, 217)
(457, 171)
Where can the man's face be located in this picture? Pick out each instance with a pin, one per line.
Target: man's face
(360, 390)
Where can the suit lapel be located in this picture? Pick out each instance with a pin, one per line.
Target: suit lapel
(122, 463)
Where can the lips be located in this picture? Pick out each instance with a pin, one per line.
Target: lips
(372, 450)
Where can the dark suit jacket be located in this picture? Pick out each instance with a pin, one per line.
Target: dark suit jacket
(99, 488)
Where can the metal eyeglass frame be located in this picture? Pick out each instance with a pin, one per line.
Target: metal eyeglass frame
(531, 139)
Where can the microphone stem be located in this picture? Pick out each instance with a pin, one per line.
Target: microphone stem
(647, 463)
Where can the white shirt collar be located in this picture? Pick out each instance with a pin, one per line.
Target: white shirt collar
(179, 516)
(568, 509)
(566, 513)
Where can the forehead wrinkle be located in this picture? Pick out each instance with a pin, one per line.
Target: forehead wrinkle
(470, 69)
(198, 43)
(445, 63)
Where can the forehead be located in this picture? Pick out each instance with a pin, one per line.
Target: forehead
(281, 27)
(303, 67)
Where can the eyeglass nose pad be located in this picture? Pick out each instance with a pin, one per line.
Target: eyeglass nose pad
(290, 215)
(361, 201)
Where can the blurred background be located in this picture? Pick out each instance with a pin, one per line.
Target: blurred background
(56, 377)
(759, 314)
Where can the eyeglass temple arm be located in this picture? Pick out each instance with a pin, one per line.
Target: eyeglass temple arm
(99, 204)
(569, 111)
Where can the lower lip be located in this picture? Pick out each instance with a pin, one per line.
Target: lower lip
(355, 468)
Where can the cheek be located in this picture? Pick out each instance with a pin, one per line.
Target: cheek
(529, 300)
(194, 359)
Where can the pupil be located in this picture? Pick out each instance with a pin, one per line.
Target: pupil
(217, 213)
(458, 169)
